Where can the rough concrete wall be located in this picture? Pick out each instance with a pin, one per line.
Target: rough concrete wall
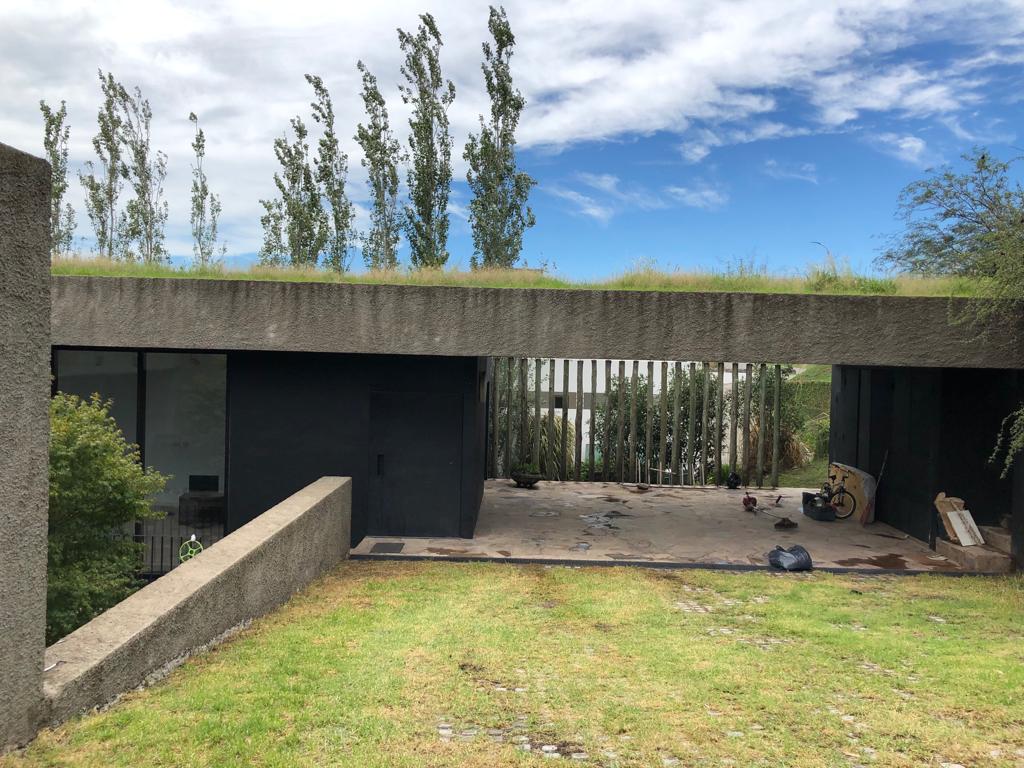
(24, 435)
(416, 320)
(244, 575)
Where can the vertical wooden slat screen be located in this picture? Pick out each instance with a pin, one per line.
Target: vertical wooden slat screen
(538, 369)
(776, 425)
(720, 424)
(705, 443)
(748, 396)
(507, 468)
(524, 411)
(577, 467)
(606, 437)
(734, 419)
(590, 423)
(552, 449)
(663, 424)
(649, 423)
(691, 448)
(563, 467)
(762, 415)
(620, 455)
(677, 427)
(634, 394)
(495, 389)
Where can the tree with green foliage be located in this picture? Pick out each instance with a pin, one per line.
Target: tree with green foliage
(103, 184)
(56, 132)
(295, 225)
(205, 205)
(971, 224)
(98, 487)
(331, 173)
(498, 213)
(429, 175)
(145, 214)
(381, 156)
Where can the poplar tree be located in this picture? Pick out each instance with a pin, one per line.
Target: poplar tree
(56, 132)
(429, 175)
(103, 183)
(381, 155)
(145, 214)
(331, 165)
(498, 213)
(294, 224)
(205, 204)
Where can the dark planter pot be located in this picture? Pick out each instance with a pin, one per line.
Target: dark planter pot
(526, 479)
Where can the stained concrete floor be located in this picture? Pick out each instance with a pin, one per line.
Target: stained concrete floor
(608, 522)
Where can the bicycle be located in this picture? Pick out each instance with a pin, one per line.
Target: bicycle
(842, 501)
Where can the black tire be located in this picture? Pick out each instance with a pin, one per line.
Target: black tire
(843, 502)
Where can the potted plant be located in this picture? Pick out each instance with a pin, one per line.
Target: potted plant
(526, 475)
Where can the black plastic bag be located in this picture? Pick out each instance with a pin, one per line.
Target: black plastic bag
(796, 558)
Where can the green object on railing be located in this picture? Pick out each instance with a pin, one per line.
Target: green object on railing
(189, 549)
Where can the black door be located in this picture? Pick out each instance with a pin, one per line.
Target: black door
(415, 464)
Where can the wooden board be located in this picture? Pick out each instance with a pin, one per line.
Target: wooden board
(958, 521)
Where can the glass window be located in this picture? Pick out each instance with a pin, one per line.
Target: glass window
(185, 411)
(114, 375)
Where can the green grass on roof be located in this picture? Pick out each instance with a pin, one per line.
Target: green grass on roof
(818, 280)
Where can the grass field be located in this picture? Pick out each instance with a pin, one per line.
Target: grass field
(820, 280)
(443, 664)
(810, 475)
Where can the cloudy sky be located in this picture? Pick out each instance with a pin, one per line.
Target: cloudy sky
(687, 133)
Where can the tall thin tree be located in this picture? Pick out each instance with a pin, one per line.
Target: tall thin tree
(498, 212)
(205, 205)
(429, 175)
(56, 132)
(103, 184)
(146, 213)
(331, 173)
(295, 227)
(381, 156)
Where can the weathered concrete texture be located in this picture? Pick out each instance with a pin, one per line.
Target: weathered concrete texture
(978, 559)
(415, 320)
(24, 436)
(613, 523)
(244, 575)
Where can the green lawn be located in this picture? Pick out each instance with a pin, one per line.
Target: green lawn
(811, 475)
(628, 666)
(817, 280)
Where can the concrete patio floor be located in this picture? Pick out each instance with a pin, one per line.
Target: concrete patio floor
(613, 523)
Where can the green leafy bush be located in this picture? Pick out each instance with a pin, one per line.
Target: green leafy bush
(98, 488)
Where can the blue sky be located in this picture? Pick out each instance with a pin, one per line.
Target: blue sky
(690, 135)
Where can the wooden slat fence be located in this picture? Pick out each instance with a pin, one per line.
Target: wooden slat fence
(670, 424)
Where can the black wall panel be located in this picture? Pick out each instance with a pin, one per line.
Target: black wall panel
(294, 417)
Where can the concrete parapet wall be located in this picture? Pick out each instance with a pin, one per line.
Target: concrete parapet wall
(246, 574)
(422, 320)
(24, 436)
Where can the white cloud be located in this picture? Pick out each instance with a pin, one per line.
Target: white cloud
(628, 195)
(699, 146)
(701, 195)
(909, 149)
(584, 205)
(711, 72)
(796, 171)
(906, 88)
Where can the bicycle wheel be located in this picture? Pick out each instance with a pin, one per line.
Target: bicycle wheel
(843, 502)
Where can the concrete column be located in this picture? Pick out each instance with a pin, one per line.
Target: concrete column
(24, 438)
